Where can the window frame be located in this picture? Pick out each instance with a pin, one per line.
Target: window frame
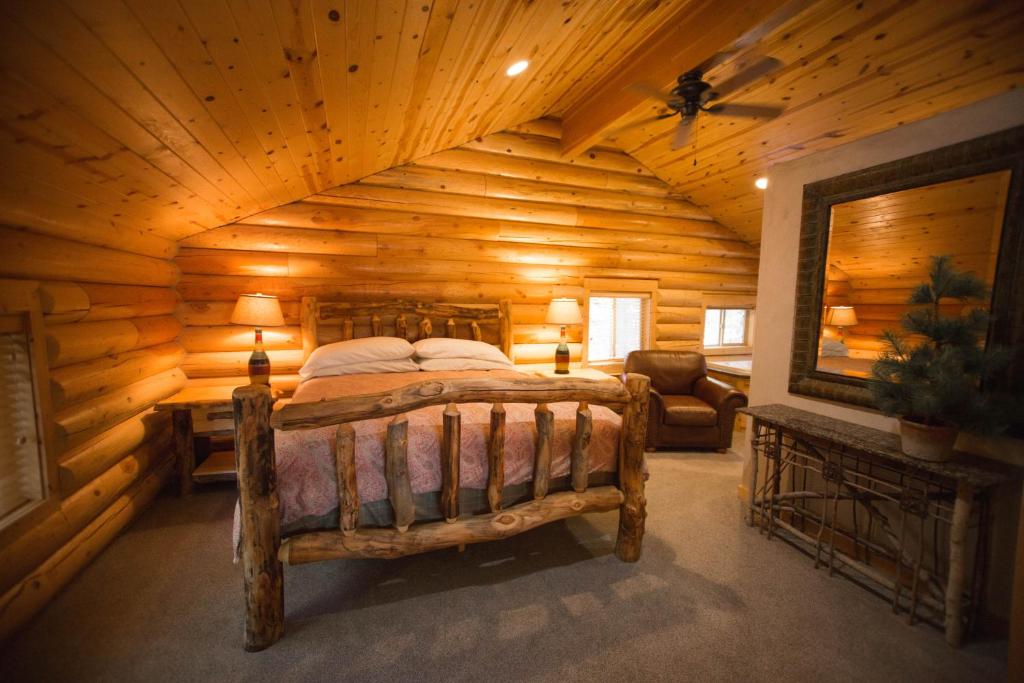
(745, 348)
(644, 289)
(23, 301)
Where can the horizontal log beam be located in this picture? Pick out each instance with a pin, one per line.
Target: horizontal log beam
(91, 379)
(82, 421)
(238, 338)
(421, 538)
(65, 302)
(333, 213)
(549, 148)
(236, 363)
(214, 313)
(78, 342)
(83, 464)
(398, 199)
(50, 258)
(285, 239)
(258, 238)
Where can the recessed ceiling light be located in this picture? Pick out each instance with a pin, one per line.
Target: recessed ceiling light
(517, 68)
(761, 183)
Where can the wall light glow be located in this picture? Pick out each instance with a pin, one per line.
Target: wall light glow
(761, 183)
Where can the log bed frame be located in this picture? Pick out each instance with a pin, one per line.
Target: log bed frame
(263, 552)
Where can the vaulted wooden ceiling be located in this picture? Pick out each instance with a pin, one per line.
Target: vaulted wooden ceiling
(168, 117)
(851, 69)
(184, 115)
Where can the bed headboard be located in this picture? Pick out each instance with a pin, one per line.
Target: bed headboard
(324, 322)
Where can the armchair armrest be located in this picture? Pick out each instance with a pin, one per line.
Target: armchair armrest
(719, 395)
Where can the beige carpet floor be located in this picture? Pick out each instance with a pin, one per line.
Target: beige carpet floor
(710, 600)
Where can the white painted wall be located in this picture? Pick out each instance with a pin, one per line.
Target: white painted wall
(780, 234)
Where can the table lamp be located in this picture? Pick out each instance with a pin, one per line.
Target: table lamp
(259, 311)
(841, 316)
(563, 312)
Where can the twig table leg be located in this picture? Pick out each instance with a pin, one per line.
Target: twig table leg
(957, 564)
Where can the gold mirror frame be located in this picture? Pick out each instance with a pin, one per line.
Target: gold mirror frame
(999, 151)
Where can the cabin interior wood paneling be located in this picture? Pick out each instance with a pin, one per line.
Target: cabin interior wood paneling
(851, 69)
(503, 217)
(181, 116)
(112, 353)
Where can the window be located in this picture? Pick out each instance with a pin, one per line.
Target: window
(726, 327)
(22, 469)
(616, 325)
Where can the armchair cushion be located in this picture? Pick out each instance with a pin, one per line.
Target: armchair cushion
(688, 411)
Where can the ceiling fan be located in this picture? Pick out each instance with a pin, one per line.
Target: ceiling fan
(693, 95)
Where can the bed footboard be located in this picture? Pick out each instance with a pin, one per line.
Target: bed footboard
(263, 553)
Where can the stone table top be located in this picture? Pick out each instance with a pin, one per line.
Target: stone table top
(963, 467)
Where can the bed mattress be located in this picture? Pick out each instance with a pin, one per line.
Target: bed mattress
(307, 482)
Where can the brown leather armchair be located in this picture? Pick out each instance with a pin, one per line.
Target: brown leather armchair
(688, 409)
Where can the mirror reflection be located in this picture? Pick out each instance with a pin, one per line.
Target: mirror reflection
(879, 249)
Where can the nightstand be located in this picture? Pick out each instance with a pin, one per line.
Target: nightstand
(202, 412)
(574, 371)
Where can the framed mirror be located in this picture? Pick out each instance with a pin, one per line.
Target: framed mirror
(867, 238)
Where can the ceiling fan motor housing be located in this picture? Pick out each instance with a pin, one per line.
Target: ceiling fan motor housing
(690, 90)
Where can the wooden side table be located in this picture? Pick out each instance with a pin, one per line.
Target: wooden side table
(574, 371)
(214, 407)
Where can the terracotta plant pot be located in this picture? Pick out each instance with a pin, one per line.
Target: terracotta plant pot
(926, 442)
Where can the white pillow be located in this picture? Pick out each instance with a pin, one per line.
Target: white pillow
(363, 350)
(435, 364)
(370, 366)
(443, 347)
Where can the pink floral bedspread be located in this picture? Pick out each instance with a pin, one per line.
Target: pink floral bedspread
(307, 482)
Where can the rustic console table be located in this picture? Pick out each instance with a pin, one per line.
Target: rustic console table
(912, 531)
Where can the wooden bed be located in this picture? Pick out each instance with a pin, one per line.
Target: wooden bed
(262, 550)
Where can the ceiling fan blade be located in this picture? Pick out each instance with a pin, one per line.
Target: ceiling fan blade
(757, 70)
(637, 124)
(751, 110)
(650, 91)
(714, 60)
(682, 133)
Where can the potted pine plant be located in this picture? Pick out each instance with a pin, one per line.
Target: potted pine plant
(931, 375)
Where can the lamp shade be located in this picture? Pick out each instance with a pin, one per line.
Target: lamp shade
(258, 310)
(564, 312)
(841, 316)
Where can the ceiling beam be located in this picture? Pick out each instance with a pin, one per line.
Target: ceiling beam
(696, 33)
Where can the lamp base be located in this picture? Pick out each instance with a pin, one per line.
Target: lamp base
(562, 359)
(259, 367)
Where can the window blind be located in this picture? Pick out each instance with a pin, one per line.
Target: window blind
(21, 477)
(617, 324)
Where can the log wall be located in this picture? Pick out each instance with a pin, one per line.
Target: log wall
(503, 217)
(112, 351)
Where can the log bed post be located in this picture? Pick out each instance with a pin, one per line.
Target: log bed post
(401, 327)
(542, 453)
(348, 490)
(396, 471)
(496, 457)
(633, 510)
(262, 572)
(579, 463)
(450, 455)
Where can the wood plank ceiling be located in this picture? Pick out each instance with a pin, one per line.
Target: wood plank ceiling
(180, 115)
(851, 69)
(126, 118)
